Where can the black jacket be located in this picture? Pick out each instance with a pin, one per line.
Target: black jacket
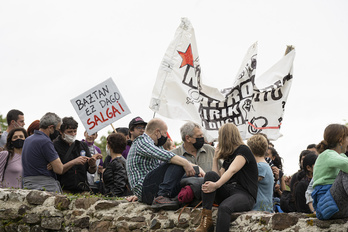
(115, 178)
(75, 179)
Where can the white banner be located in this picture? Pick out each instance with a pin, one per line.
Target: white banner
(252, 105)
(100, 106)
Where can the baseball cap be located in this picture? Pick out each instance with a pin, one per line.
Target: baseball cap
(136, 121)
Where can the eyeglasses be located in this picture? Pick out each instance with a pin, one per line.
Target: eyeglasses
(140, 127)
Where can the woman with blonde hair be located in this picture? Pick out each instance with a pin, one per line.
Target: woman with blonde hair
(330, 195)
(234, 186)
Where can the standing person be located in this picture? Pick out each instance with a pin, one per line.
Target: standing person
(258, 145)
(11, 159)
(15, 118)
(125, 132)
(74, 177)
(330, 196)
(35, 125)
(95, 179)
(136, 128)
(234, 186)
(193, 148)
(115, 174)
(154, 173)
(38, 154)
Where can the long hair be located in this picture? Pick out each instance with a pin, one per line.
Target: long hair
(229, 140)
(333, 135)
(277, 160)
(8, 146)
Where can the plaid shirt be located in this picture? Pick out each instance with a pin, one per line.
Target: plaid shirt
(143, 157)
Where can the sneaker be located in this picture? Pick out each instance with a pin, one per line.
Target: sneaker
(162, 202)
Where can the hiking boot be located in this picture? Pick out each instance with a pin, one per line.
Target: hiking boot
(207, 224)
(162, 202)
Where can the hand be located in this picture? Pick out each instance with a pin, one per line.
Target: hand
(216, 151)
(209, 187)
(100, 169)
(287, 180)
(81, 160)
(132, 198)
(275, 172)
(97, 156)
(201, 172)
(277, 189)
(49, 166)
(92, 162)
(189, 169)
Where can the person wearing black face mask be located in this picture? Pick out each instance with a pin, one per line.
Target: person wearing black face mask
(154, 173)
(194, 148)
(11, 159)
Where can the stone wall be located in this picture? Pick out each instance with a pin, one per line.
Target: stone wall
(24, 210)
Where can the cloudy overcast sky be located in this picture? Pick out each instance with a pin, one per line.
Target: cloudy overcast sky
(52, 51)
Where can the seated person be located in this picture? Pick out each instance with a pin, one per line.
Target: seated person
(258, 145)
(330, 195)
(115, 175)
(76, 155)
(300, 187)
(194, 148)
(154, 173)
(288, 201)
(275, 161)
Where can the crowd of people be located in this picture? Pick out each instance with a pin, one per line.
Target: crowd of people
(143, 164)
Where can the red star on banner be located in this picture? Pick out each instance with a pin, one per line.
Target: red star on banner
(187, 57)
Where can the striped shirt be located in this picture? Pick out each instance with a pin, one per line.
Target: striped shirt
(143, 157)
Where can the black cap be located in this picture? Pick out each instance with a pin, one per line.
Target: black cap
(136, 121)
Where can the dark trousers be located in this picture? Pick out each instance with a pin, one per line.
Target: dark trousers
(229, 198)
(162, 181)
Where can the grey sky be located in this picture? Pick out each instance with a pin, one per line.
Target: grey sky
(52, 51)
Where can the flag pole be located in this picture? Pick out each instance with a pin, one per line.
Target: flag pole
(113, 128)
(289, 48)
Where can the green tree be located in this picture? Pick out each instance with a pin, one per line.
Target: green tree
(102, 144)
(3, 123)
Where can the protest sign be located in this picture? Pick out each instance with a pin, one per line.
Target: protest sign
(100, 106)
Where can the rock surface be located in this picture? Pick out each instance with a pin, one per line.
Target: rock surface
(24, 210)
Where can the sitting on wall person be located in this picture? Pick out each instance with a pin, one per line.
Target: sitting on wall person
(194, 148)
(275, 161)
(287, 201)
(258, 145)
(115, 175)
(11, 159)
(300, 188)
(330, 195)
(154, 173)
(234, 186)
(76, 157)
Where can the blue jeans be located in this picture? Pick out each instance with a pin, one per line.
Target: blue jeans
(162, 181)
